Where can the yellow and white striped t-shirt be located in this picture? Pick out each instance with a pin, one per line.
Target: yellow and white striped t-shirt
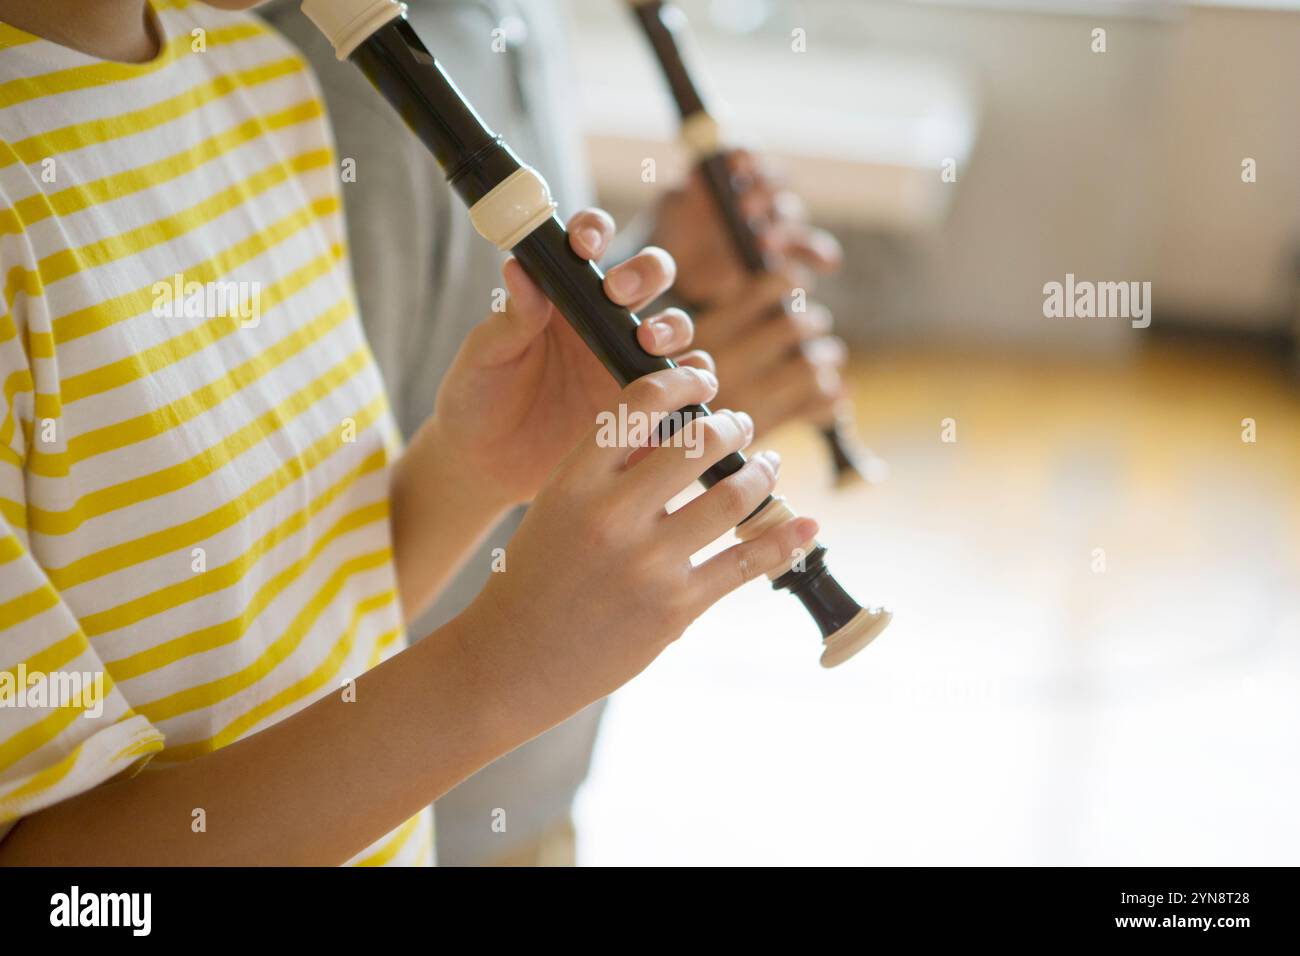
(193, 487)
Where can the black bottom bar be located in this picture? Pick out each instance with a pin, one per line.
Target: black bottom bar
(331, 908)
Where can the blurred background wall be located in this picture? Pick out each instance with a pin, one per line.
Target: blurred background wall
(1096, 653)
(1114, 165)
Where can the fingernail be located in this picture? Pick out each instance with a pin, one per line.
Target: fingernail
(624, 283)
(660, 333)
(746, 422)
(590, 239)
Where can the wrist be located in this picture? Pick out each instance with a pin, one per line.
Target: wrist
(439, 512)
(436, 464)
(499, 658)
(495, 474)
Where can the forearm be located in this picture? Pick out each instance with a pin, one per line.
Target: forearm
(318, 787)
(439, 516)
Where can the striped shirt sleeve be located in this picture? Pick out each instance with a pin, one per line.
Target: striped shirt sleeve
(64, 726)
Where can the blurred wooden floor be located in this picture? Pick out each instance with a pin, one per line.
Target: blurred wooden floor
(1024, 707)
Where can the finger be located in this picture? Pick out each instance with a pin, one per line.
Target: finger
(772, 411)
(771, 341)
(807, 389)
(748, 170)
(692, 450)
(526, 296)
(813, 406)
(743, 168)
(758, 204)
(741, 161)
(639, 407)
(813, 248)
(824, 411)
(505, 335)
(826, 352)
(789, 206)
(590, 232)
(801, 380)
(723, 573)
(764, 195)
(697, 359)
(759, 297)
(642, 279)
(711, 515)
(667, 333)
(692, 359)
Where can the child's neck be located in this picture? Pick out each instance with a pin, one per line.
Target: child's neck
(121, 30)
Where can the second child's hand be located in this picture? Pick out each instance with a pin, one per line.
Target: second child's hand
(689, 226)
(778, 365)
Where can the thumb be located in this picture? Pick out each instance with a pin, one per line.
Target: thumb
(506, 335)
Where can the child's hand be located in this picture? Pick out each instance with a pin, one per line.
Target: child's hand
(778, 366)
(598, 578)
(524, 388)
(690, 228)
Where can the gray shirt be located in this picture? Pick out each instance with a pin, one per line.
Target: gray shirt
(424, 277)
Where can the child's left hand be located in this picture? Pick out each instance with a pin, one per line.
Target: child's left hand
(524, 388)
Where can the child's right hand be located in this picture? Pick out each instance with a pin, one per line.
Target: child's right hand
(779, 366)
(598, 578)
